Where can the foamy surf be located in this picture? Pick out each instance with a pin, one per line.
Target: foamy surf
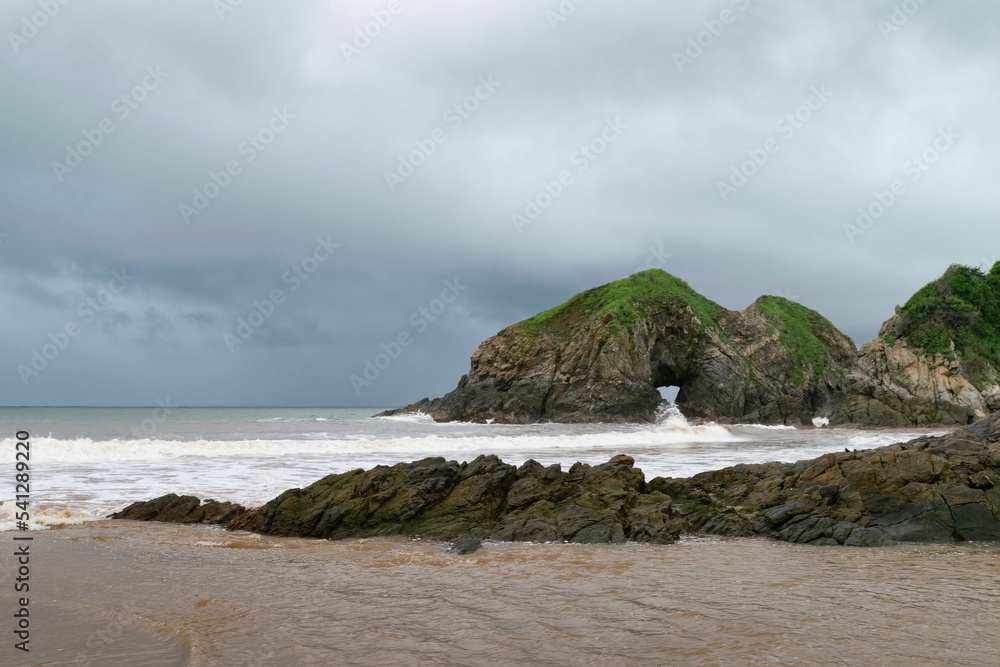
(43, 517)
(91, 467)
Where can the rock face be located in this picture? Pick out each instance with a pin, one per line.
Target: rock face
(935, 361)
(894, 384)
(929, 490)
(933, 489)
(483, 498)
(602, 355)
(181, 509)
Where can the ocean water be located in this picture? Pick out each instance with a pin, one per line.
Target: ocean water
(160, 595)
(89, 462)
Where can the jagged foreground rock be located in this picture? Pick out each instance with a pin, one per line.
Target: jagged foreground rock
(601, 356)
(933, 489)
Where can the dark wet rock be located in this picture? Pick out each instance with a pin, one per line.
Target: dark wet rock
(172, 508)
(932, 489)
(466, 545)
(600, 357)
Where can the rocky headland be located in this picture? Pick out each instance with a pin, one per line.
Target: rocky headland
(932, 489)
(601, 356)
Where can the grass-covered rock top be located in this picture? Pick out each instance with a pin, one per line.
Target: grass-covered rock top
(624, 302)
(805, 333)
(957, 313)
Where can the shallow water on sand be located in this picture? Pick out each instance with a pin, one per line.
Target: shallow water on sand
(192, 595)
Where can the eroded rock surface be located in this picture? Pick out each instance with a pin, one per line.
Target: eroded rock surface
(601, 356)
(894, 384)
(181, 509)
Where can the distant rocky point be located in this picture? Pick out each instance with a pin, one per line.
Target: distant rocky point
(932, 489)
(600, 357)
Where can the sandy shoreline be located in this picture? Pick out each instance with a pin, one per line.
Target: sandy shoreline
(124, 593)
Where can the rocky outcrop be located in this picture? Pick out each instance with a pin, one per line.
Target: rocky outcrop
(895, 383)
(182, 509)
(928, 490)
(933, 489)
(601, 356)
(443, 499)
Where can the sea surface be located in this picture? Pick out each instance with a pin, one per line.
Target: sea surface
(89, 462)
(125, 594)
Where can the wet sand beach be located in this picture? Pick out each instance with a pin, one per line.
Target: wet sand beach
(123, 593)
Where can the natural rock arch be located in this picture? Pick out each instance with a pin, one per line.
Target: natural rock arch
(601, 356)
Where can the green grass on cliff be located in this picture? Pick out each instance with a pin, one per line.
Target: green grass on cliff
(960, 307)
(625, 301)
(802, 332)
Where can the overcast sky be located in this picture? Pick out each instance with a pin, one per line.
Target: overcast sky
(184, 164)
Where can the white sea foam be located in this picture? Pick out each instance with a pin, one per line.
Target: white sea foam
(42, 517)
(409, 418)
(85, 450)
(79, 479)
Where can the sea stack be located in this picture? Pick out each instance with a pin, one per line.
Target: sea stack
(600, 357)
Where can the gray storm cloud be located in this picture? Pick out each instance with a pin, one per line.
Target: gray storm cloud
(207, 147)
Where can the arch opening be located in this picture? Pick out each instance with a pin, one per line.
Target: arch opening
(669, 393)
